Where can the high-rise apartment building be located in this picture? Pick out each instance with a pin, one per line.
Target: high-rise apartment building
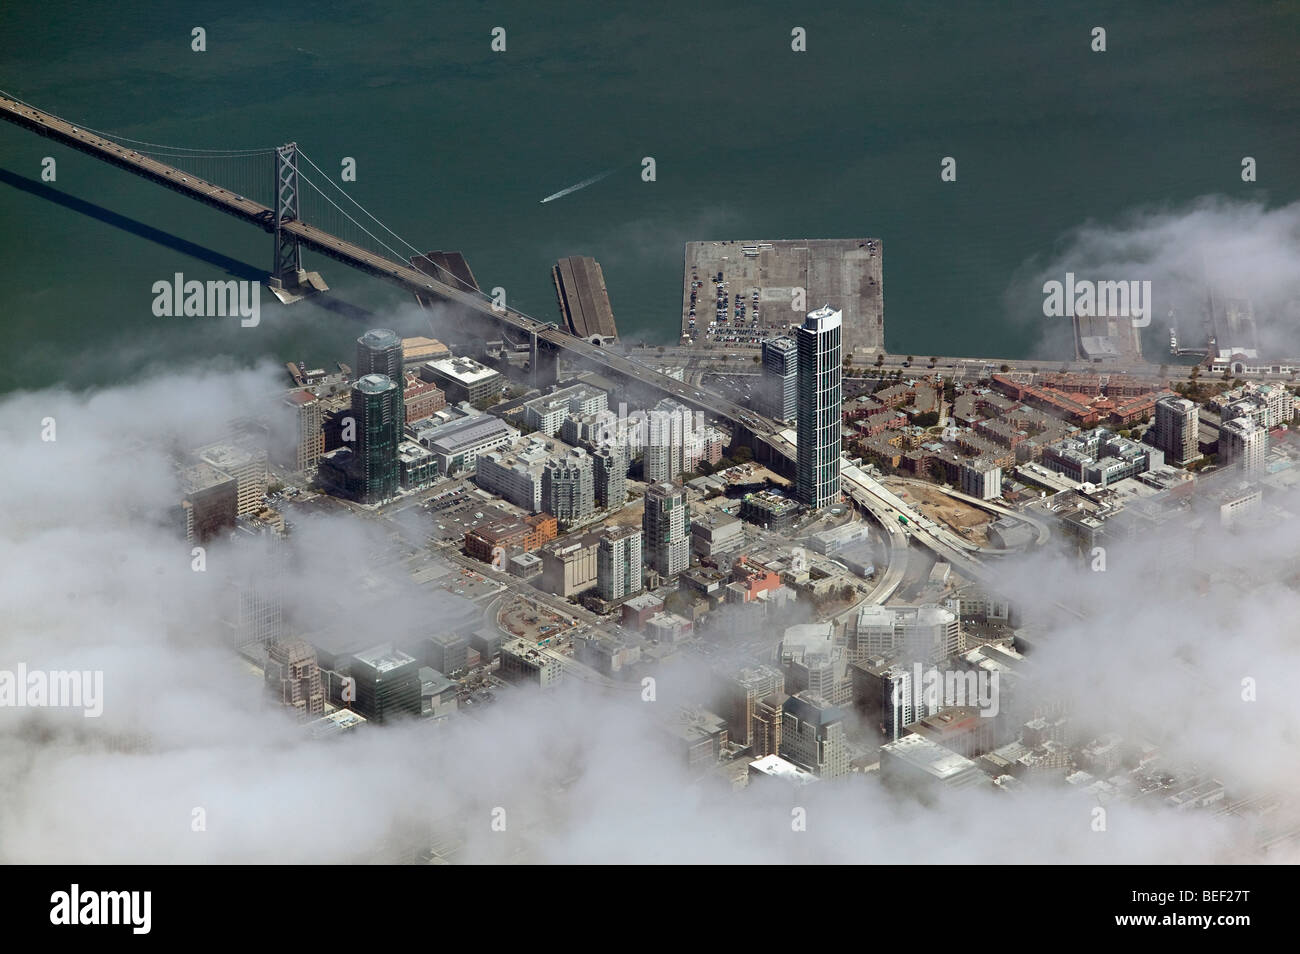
(1177, 430)
(610, 463)
(817, 471)
(309, 435)
(377, 412)
(667, 526)
(569, 488)
(1243, 441)
(619, 563)
(379, 351)
(673, 442)
(780, 378)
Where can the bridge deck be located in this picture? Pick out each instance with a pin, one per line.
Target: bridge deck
(400, 274)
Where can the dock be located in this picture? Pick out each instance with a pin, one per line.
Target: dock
(584, 300)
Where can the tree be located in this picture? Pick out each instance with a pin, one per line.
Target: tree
(1033, 370)
(757, 359)
(909, 359)
(880, 359)
(743, 454)
(1005, 368)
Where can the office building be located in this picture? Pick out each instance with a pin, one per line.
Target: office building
(817, 470)
(981, 478)
(1243, 441)
(377, 411)
(780, 382)
(417, 468)
(570, 567)
(926, 633)
(209, 502)
(812, 736)
(522, 662)
(463, 379)
(387, 683)
(247, 465)
(812, 661)
(569, 488)
(916, 763)
(715, 534)
(458, 444)
(292, 677)
(667, 526)
(738, 695)
(421, 399)
(446, 652)
(1177, 430)
(618, 563)
(772, 766)
(769, 511)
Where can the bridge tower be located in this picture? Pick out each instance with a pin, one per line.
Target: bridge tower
(288, 280)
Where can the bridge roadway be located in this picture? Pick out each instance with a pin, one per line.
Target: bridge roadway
(400, 274)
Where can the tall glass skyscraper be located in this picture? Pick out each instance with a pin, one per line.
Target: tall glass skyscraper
(377, 408)
(379, 351)
(817, 473)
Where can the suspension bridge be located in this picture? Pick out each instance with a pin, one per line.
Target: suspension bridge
(282, 191)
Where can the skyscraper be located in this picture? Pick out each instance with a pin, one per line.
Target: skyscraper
(812, 736)
(817, 474)
(780, 378)
(293, 677)
(618, 563)
(379, 351)
(1177, 430)
(667, 525)
(387, 683)
(377, 410)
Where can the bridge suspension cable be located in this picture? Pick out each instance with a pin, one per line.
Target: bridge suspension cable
(247, 151)
(455, 279)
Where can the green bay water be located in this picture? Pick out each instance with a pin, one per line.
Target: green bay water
(456, 145)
